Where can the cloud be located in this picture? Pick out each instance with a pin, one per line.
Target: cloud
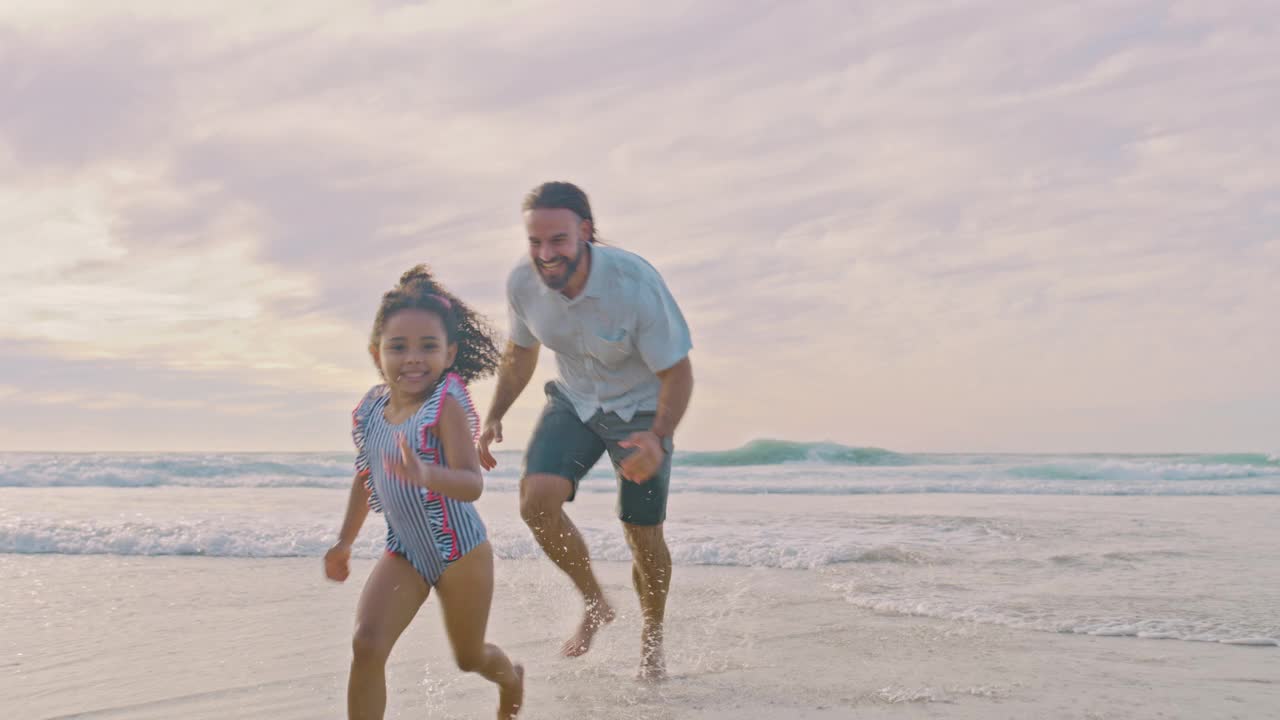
(883, 220)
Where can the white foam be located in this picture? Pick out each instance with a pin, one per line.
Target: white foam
(288, 523)
(1044, 618)
(899, 695)
(1067, 475)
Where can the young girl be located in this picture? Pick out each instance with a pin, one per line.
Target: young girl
(416, 463)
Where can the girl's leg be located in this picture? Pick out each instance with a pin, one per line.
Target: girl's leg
(390, 599)
(465, 591)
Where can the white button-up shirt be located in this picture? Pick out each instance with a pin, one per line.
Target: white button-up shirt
(610, 340)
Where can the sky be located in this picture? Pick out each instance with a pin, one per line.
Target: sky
(985, 225)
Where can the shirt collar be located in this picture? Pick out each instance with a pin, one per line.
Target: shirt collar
(595, 278)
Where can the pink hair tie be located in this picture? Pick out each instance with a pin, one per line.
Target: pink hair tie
(443, 301)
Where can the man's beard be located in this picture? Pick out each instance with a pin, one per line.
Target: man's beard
(568, 268)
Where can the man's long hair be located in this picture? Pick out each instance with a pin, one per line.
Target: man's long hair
(562, 196)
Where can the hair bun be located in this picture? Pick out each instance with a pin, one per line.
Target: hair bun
(417, 275)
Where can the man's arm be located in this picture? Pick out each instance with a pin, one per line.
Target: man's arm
(514, 374)
(518, 364)
(662, 337)
(673, 400)
(673, 397)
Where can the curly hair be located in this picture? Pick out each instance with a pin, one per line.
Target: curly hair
(478, 353)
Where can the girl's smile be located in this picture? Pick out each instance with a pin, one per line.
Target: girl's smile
(414, 353)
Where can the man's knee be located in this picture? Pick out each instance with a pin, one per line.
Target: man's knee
(644, 535)
(648, 545)
(542, 497)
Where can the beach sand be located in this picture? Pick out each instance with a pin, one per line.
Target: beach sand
(193, 637)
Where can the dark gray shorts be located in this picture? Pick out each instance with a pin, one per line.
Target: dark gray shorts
(564, 445)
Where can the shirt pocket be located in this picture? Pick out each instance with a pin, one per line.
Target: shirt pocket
(610, 347)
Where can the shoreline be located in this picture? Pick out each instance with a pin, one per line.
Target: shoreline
(201, 638)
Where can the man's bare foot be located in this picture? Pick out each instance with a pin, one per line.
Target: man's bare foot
(653, 666)
(652, 670)
(597, 615)
(511, 697)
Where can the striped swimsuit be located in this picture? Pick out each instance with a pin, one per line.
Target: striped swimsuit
(427, 528)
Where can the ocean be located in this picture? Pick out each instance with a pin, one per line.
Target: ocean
(810, 578)
(768, 504)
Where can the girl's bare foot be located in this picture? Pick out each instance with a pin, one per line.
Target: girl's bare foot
(511, 697)
(597, 615)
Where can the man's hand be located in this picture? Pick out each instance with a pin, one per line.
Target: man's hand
(640, 465)
(492, 433)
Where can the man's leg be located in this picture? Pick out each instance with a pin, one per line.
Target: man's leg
(642, 507)
(542, 500)
(651, 574)
(560, 452)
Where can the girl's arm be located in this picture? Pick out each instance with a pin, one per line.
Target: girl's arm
(337, 565)
(357, 511)
(461, 480)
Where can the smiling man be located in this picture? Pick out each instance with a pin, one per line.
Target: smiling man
(622, 349)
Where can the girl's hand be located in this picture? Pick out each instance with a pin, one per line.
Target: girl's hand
(408, 468)
(337, 562)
